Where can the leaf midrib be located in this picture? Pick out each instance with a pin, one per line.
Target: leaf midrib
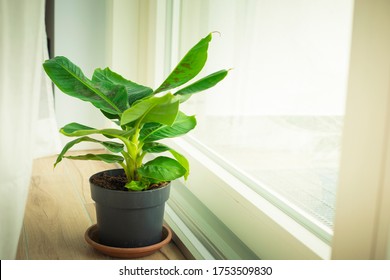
(101, 95)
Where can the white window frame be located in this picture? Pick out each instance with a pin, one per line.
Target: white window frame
(362, 219)
(363, 199)
(253, 219)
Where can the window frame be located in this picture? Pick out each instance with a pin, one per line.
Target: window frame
(238, 206)
(362, 221)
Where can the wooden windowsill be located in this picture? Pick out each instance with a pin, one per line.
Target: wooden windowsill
(59, 210)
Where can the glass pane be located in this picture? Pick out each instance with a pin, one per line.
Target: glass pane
(278, 116)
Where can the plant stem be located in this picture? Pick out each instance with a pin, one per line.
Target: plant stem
(128, 159)
(135, 153)
(126, 166)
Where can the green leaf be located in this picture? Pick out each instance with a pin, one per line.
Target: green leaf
(162, 169)
(201, 85)
(111, 116)
(136, 185)
(70, 128)
(190, 65)
(70, 79)
(111, 146)
(76, 129)
(155, 147)
(115, 93)
(154, 109)
(108, 158)
(183, 162)
(153, 131)
(134, 91)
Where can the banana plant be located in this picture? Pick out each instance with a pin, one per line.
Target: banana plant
(143, 116)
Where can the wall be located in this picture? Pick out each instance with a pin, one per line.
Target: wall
(81, 32)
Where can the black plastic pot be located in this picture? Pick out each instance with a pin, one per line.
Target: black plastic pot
(129, 219)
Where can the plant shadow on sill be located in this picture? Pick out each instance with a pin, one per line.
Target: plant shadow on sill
(59, 210)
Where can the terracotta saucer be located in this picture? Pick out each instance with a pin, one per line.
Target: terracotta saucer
(91, 236)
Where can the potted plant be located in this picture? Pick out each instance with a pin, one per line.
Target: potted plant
(130, 200)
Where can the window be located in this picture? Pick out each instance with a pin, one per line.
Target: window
(277, 119)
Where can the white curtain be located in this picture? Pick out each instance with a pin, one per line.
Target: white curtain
(27, 123)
